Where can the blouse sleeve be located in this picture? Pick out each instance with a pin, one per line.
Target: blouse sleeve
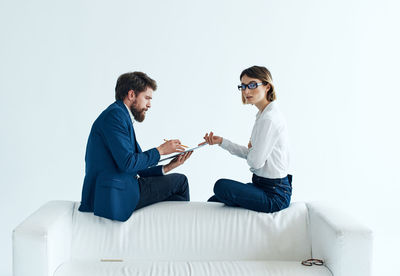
(263, 141)
(235, 149)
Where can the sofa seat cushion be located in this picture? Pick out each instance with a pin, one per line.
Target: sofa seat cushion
(194, 231)
(202, 268)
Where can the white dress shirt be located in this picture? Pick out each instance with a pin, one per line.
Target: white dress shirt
(130, 113)
(269, 155)
(133, 119)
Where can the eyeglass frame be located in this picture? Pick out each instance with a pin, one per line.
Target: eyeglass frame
(311, 262)
(242, 87)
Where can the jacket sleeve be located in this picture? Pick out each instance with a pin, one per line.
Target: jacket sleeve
(116, 136)
(153, 171)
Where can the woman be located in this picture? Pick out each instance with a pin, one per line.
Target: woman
(266, 154)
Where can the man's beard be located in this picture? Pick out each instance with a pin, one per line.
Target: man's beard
(139, 115)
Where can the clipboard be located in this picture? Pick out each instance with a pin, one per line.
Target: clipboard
(175, 155)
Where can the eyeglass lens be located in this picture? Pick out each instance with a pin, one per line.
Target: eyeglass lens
(251, 85)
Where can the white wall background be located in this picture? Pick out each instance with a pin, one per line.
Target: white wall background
(335, 66)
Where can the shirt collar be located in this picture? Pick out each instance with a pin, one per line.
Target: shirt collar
(266, 109)
(130, 113)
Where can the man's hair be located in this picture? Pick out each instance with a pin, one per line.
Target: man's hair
(264, 75)
(136, 81)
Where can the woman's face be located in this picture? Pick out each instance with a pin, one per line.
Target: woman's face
(256, 95)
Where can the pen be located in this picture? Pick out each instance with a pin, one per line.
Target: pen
(181, 144)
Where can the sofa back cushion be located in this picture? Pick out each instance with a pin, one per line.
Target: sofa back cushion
(194, 231)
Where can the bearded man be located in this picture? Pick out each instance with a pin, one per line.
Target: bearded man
(119, 177)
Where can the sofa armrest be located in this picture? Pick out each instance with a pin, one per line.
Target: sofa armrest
(344, 244)
(43, 241)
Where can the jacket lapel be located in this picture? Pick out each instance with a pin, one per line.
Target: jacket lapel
(132, 131)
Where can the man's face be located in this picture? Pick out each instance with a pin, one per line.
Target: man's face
(141, 104)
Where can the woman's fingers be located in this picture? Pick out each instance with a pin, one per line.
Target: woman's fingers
(206, 138)
(213, 138)
(210, 138)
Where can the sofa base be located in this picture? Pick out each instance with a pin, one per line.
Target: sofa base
(201, 268)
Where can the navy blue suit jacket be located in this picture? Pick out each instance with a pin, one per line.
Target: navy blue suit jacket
(113, 160)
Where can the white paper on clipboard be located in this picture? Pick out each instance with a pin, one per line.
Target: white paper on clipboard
(175, 155)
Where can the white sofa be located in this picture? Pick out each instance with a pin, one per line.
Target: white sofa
(190, 238)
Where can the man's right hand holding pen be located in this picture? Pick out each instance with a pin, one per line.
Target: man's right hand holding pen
(170, 146)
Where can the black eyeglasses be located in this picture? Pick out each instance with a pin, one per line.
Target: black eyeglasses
(311, 262)
(251, 85)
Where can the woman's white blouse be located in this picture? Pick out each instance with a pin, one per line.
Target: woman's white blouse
(269, 155)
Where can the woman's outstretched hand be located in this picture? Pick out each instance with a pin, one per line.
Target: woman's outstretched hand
(212, 139)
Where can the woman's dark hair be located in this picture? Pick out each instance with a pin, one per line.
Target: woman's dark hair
(264, 75)
(136, 81)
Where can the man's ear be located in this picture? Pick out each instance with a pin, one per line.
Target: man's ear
(131, 95)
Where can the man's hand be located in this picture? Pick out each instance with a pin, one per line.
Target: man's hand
(177, 161)
(170, 146)
(211, 139)
(249, 145)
